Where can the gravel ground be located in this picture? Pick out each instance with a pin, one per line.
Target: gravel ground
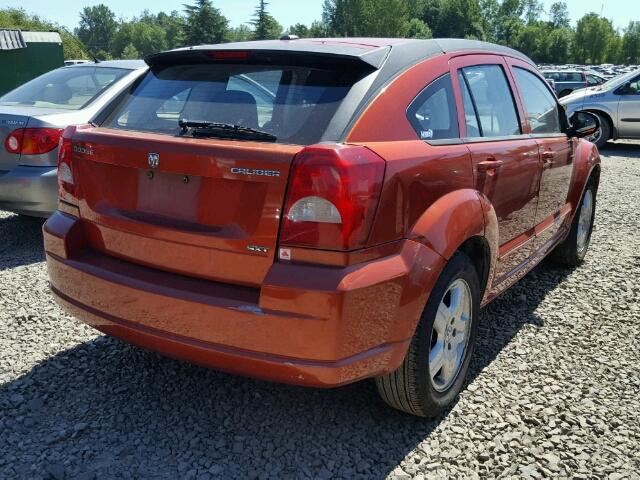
(554, 389)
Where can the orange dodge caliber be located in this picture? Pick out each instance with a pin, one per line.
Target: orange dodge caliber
(320, 211)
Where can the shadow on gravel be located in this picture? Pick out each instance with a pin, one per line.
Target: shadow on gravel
(108, 408)
(20, 241)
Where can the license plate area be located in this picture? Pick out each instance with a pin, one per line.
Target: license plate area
(169, 195)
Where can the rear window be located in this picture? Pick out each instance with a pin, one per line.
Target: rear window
(65, 88)
(291, 102)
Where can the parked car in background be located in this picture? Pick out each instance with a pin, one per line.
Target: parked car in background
(319, 212)
(32, 118)
(616, 103)
(566, 82)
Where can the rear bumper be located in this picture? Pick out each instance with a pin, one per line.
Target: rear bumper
(29, 190)
(308, 324)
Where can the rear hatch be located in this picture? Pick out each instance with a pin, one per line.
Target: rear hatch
(209, 208)
(203, 201)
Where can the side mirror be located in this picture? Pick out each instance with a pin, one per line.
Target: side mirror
(583, 124)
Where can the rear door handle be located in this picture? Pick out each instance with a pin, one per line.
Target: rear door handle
(547, 159)
(489, 166)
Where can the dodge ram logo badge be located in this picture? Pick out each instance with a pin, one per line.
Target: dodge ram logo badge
(154, 160)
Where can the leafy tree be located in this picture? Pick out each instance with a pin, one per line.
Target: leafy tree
(174, 26)
(559, 15)
(592, 38)
(97, 27)
(532, 9)
(631, 43)
(460, 19)
(300, 30)
(17, 18)
(559, 45)
(264, 25)
(204, 23)
(319, 29)
(373, 18)
(144, 36)
(416, 28)
(130, 53)
(241, 33)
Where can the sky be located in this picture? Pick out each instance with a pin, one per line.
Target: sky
(287, 12)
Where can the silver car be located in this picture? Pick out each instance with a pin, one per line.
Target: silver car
(32, 118)
(616, 103)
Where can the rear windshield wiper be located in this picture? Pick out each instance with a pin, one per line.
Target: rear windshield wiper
(223, 130)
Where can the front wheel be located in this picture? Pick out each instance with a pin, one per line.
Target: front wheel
(434, 369)
(573, 249)
(602, 136)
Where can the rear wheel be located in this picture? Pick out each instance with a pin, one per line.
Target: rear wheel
(602, 136)
(573, 249)
(434, 370)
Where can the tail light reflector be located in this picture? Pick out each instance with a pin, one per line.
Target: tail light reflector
(32, 141)
(67, 187)
(332, 198)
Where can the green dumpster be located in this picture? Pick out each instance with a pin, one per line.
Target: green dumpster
(25, 55)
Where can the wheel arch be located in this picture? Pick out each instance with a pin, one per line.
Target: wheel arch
(587, 167)
(462, 220)
(607, 116)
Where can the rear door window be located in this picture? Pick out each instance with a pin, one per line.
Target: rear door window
(294, 103)
(540, 105)
(433, 113)
(492, 101)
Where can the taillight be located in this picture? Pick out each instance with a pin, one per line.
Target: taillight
(332, 197)
(32, 141)
(67, 187)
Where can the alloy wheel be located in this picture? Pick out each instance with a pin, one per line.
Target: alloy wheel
(450, 335)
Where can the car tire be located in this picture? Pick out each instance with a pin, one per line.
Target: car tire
(564, 93)
(413, 388)
(573, 249)
(604, 132)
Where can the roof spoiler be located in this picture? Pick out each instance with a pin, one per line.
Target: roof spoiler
(295, 53)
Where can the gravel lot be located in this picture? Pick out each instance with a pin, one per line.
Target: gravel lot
(554, 389)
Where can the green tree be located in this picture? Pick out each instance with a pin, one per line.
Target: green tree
(532, 9)
(592, 39)
(559, 45)
(17, 18)
(264, 25)
(145, 37)
(559, 15)
(630, 50)
(204, 23)
(241, 33)
(319, 29)
(460, 19)
(300, 30)
(97, 28)
(416, 28)
(368, 18)
(130, 53)
(174, 25)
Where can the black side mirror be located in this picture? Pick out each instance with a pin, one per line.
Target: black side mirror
(583, 124)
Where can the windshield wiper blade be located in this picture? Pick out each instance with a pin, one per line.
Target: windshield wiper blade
(223, 130)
